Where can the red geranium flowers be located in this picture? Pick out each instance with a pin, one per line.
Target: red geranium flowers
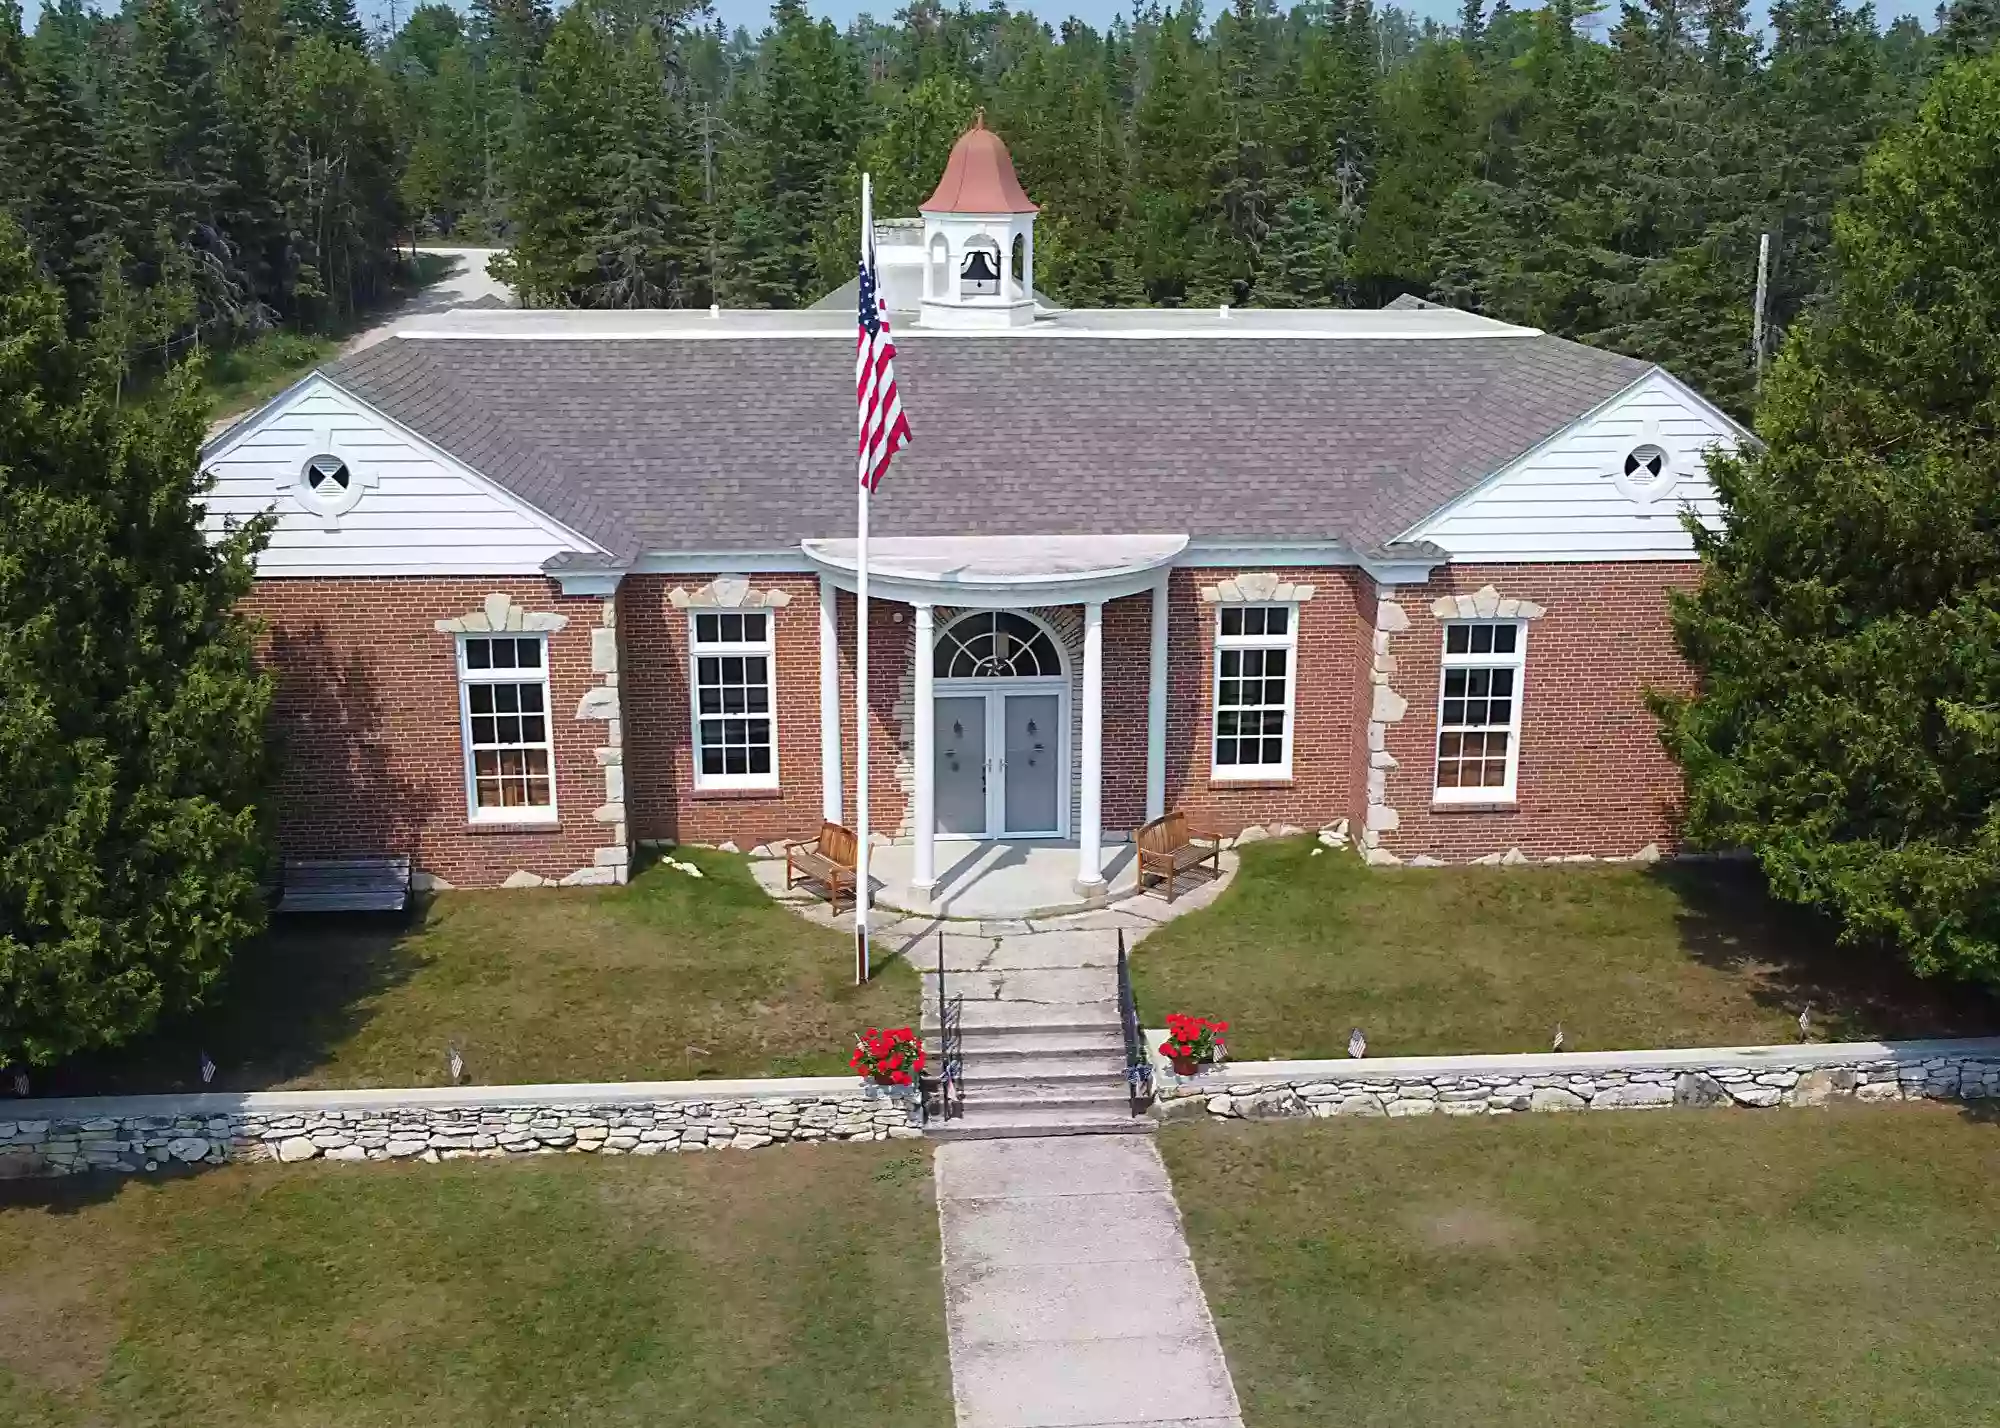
(889, 1058)
(1193, 1041)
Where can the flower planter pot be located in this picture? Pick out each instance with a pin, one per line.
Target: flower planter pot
(1187, 1066)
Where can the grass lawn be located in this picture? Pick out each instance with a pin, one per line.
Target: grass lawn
(1301, 949)
(670, 978)
(1770, 1268)
(788, 1287)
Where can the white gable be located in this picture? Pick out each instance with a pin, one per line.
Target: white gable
(1571, 498)
(406, 508)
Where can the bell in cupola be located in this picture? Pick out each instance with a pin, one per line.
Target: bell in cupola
(979, 227)
(980, 276)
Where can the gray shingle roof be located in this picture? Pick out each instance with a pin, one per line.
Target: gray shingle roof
(741, 444)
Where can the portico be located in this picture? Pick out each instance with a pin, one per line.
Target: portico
(998, 750)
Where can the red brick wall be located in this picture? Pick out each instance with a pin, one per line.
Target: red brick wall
(1128, 646)
(1592, 776)
(367, 712)
(1329, 714)
(659, 741)
(367, 725)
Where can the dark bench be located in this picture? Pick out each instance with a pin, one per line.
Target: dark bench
(1171, 848)
(370, 883)
(828, 860)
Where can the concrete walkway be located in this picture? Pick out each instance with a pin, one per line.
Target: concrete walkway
(1070, 1297)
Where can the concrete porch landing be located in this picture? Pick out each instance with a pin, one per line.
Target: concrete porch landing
(1002, 882)
(1034, 878)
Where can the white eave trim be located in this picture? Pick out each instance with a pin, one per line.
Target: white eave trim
(1421, 530)
(553, 528)
(1001, 572)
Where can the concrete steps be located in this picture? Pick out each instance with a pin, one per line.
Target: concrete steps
(987, 1123)
(1040, 1048)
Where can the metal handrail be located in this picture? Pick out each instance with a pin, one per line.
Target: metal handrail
(1138, 1064)
(951, 1045)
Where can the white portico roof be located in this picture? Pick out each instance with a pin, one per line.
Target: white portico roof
(1000, 571)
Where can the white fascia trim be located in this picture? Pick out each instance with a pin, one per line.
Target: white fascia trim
(395, 572)
(601, 584)
(1421, 530)
(1233, 554)
(780, 561)
(246, 422)
(1025, 595)
(1743, 433)
(550, 526)
(1251, 553)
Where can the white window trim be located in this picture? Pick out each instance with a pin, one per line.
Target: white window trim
(1289, 642)
(1518, 662)
(467, 677)
(766, 647)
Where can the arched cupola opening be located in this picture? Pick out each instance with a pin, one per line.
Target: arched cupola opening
(980, 217)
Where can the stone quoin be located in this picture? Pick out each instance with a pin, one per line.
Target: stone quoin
(594, 587)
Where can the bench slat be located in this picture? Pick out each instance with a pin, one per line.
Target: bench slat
(364, 883)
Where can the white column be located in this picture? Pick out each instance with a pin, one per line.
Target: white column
(923, 874)
(829, 702)
(1090, 836)
(1156, 706)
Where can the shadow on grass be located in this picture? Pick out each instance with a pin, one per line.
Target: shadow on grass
(289, 999)
(1790, 958)
(73, 1194)
(307, 983)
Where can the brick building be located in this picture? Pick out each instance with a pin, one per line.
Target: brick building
(547, 585)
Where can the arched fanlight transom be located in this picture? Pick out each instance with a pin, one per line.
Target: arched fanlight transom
(995, 644)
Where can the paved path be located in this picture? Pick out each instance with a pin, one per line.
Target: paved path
(465, 283)
(1070, 1297)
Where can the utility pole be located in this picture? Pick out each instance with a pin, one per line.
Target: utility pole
(1757, 312)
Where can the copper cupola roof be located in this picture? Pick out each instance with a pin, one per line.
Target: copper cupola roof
(979, 176)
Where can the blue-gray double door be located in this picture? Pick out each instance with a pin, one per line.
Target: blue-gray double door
(999, 764)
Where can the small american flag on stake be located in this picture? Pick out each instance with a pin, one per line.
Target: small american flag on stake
(884, 428)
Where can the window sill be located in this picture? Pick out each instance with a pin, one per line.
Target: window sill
(1241, 781)
(739, 791)
(490, 827)
(1475, 805)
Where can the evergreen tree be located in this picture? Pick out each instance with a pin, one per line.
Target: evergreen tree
(646, 246)
(793, 223)
(1847, 626)
(132, 726)
(553, 171)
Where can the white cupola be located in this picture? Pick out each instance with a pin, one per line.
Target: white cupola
(979, 239)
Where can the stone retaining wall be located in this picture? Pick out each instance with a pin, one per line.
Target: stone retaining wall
(139, 1133)
(1755, 1077)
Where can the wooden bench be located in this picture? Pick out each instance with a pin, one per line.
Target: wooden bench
(371, 883)
(827, 860)
(1171, 847)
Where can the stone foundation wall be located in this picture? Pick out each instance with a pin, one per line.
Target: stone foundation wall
(144, 1133)
(1754, 1077)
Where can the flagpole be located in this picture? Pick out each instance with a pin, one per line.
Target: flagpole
(861, 889)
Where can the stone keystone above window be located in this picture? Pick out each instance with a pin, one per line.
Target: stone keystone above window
(501, 612)
(1486, 604)
(1256, 589)
(730, 592)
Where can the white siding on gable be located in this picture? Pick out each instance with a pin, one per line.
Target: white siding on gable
(415, 510)
(1569, 499)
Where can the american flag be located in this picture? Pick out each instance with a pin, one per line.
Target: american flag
(884, 428)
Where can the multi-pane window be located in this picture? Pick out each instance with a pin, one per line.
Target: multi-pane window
(503, 686)
(735, 738)
(1479, 710)
(1254, 648)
